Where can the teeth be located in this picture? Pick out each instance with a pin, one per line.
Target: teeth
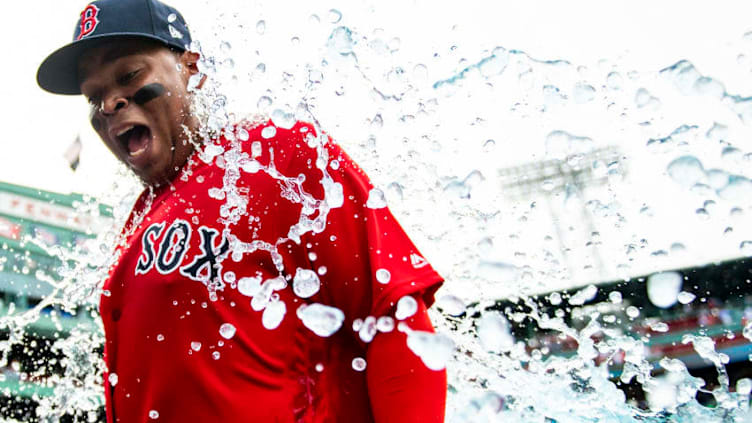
(124, 130)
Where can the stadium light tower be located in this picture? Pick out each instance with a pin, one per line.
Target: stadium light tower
(570, 175)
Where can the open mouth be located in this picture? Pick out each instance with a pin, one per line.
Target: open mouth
(134, 139)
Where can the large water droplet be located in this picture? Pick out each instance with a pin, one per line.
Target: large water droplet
(249, 286)
(385, 324)
(368, 329)
(269, 132)
(686, 170)
(434, 349)
(359, 364)
(260, 27)
(196, 346)
(685, 297)
(306, 283)
(376, 199)
(153, 414)
(283, 119)
(227, 330)
(273, 314)
(340, 41)
(383, 276)
(584, 295)
(406, 307)
(663, 288)
(321, 319)
(451, 305)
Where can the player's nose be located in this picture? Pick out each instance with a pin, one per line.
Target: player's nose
(113, 103)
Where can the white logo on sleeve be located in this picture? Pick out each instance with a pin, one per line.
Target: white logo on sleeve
(417, 261)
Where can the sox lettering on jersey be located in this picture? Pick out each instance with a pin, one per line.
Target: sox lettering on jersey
(89, 21)
(209, 263)
(173, 246)
(167, 254)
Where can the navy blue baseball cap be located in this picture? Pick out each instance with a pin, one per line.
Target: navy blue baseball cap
(106, 20)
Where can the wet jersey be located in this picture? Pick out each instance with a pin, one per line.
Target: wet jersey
(222, 304)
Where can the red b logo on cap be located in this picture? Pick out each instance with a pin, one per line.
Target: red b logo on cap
(89, 21)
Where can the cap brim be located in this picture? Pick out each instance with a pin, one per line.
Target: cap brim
(58, 73)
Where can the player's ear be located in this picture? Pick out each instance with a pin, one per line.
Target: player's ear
(189, 61)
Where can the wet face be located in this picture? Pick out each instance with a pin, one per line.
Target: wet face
(148, 136)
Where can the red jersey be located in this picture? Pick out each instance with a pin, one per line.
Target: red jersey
(205, 311)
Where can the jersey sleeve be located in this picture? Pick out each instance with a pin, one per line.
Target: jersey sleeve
(365, 260)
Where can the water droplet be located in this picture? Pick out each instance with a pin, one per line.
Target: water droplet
(489, 146)
(260, 27)
(746, 247)
(383, 276)
(434, 349)
(739, 188)
(153, 414)
(321, 270)
(584, 295)
(112, 378)
(451, 305)
(663, 288)
(283, 119)
(174, 33)
(743, 386)
(269, 132)
(273, 314)
(385, 324)
(615, 297)
(406, 307)
(659, 327)
(368, 330)
(216, 355)
(376, 199)
(196, 346)
(685, 297)
(227, 330)
(358, 364)
(747, 331)
(321, 319)
(686, 170)
(249, 286)
(614, 81)
(643, 98)
(633, 312)
(334, 16)
(494, 332)
(340, 41)
(160, 337)
(306, 283)
(583, 93)
(225, 47)
(171, 17)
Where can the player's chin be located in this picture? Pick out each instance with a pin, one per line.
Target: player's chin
(155, 172)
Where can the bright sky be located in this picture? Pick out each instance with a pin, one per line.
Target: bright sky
(641, 35)
(39, 126)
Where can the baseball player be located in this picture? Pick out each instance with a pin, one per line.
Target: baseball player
(255, 285)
